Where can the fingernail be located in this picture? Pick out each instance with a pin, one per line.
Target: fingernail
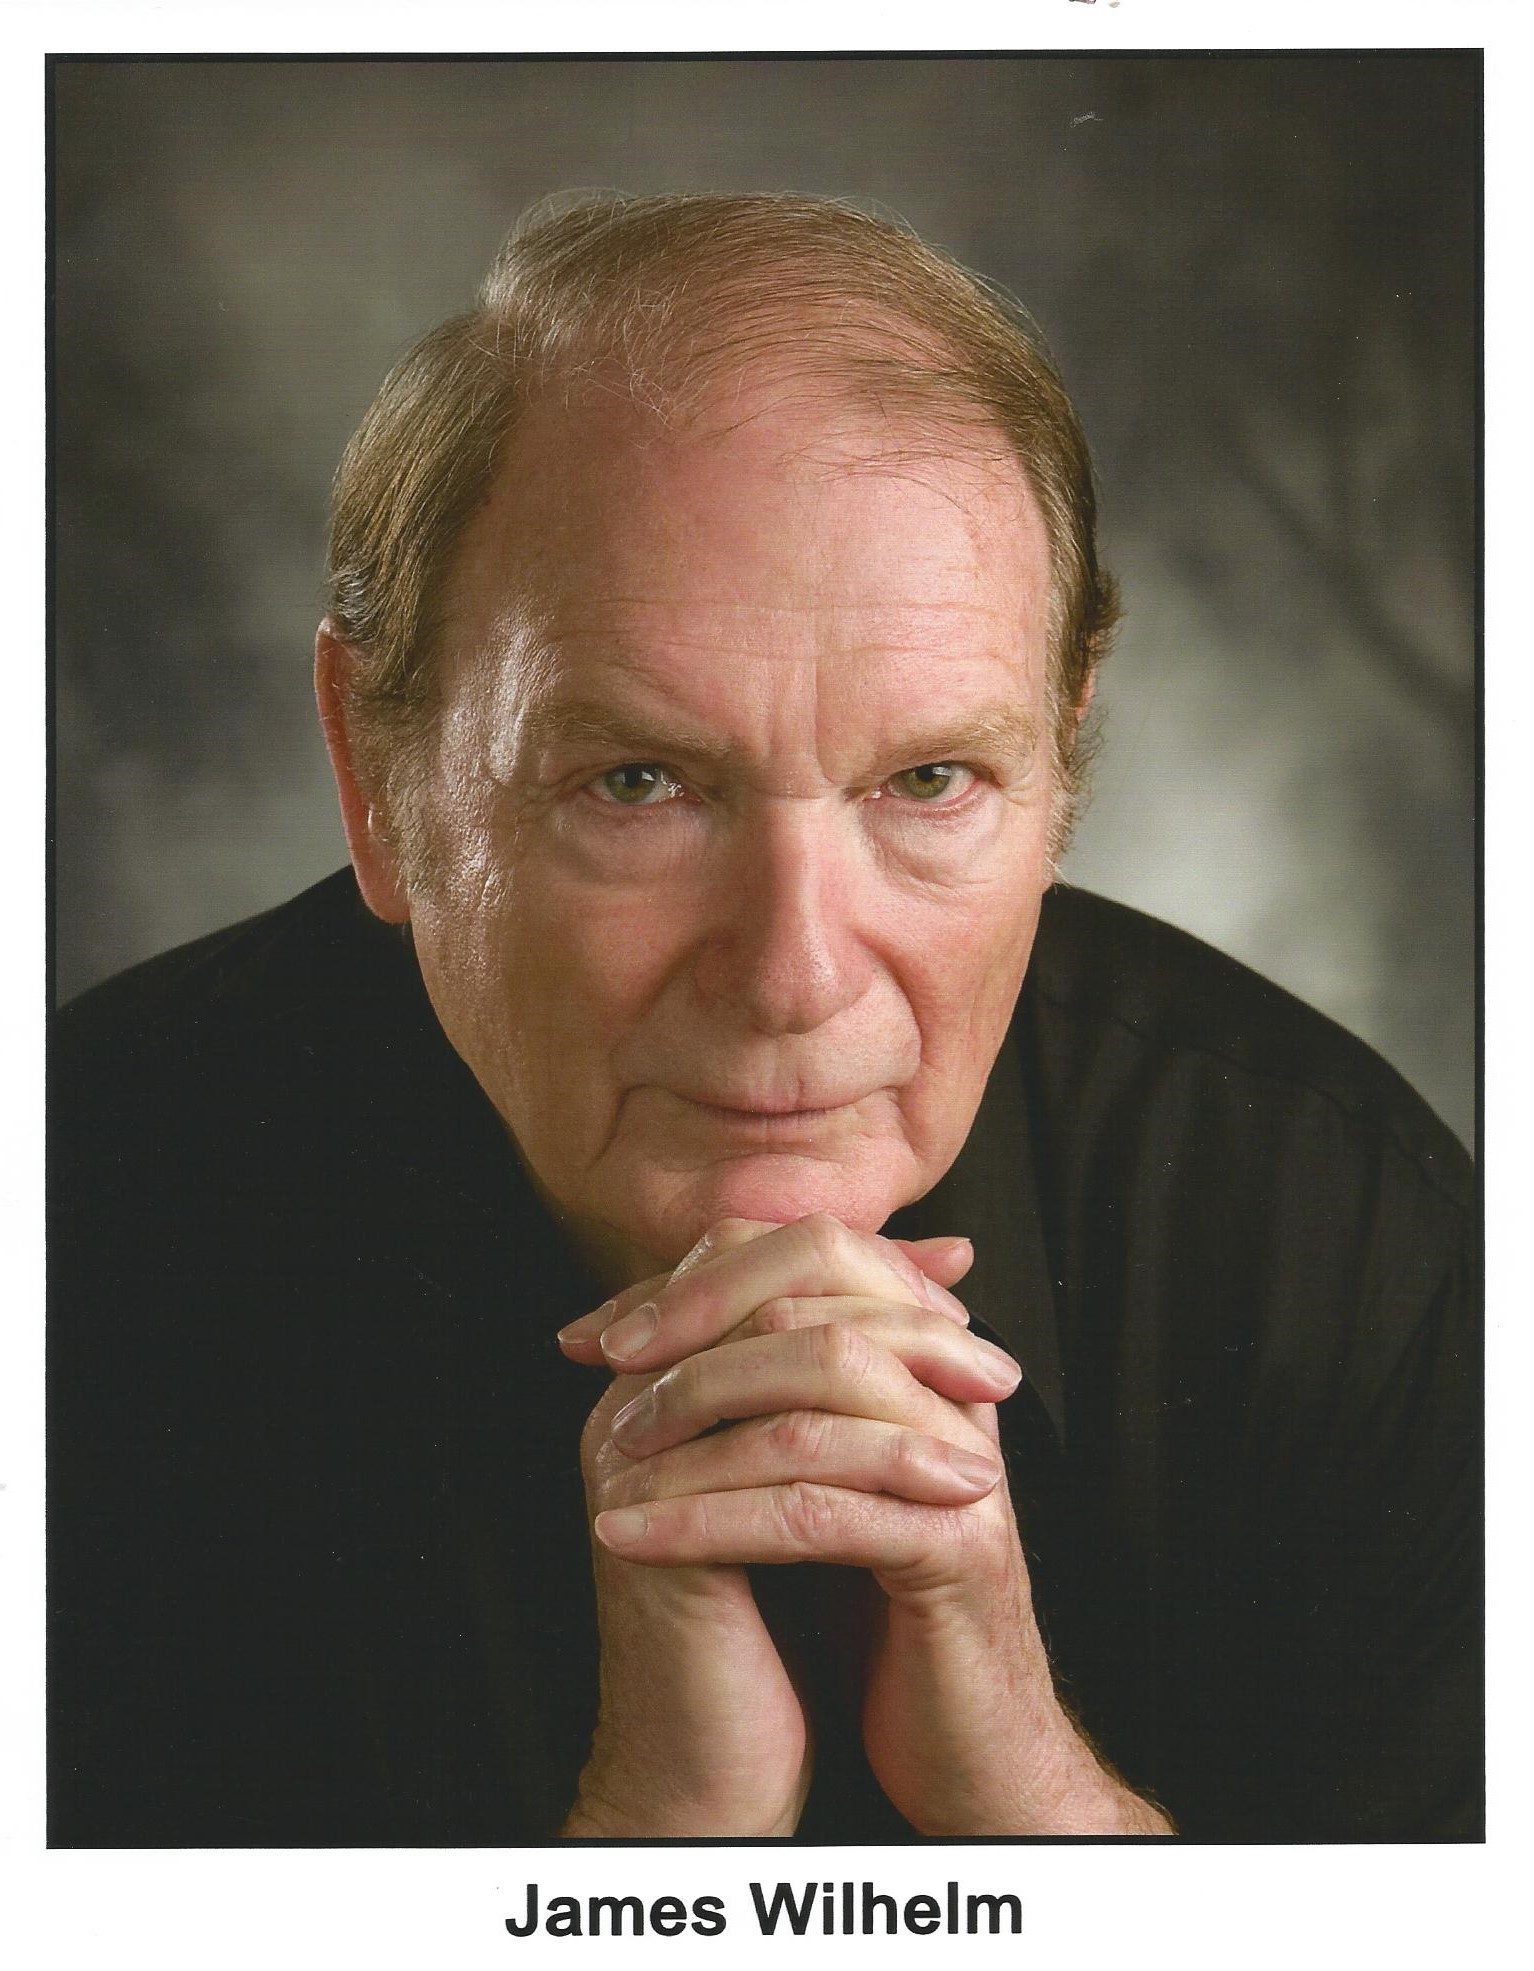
(626, 1337)
(999, 1365)
(622, 1526)
(633, 1416)
(946, 1302)
(589, 1325)
(972, 1468)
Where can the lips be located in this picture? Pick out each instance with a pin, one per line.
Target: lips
(767, 1128)
(772, 1110)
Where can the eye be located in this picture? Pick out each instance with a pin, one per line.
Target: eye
(637, 784)
(931, 781)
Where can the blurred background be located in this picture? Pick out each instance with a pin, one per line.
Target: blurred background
(1259, 274)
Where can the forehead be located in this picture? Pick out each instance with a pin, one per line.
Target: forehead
(777, 518)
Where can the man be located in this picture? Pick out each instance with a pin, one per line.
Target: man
(714, 614)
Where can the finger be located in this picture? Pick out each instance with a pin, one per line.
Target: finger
(724, 1237)
(794, 1522)
(833, 1366)
(815, 1255)
(813, 1444)
(950, 1361)
(945, 1260)
(582, 1339)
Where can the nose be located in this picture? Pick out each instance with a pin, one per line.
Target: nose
(785, 948)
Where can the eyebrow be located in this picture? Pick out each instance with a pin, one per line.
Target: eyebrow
(579, 722)
(1003, 732)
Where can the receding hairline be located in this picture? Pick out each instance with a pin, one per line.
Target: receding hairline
(903, 449)
(678, 289)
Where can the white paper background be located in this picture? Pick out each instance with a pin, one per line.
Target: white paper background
(1090, 1906)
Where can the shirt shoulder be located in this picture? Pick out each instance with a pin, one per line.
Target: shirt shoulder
(258, 980)
(1229, 1178)
(1118, 994)
(287, 1070)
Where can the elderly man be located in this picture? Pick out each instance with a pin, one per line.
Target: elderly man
(714, 614)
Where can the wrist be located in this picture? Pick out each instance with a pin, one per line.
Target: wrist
(619, 1800)
(1016, 1764)
(596, 1819)
(1075, 1793)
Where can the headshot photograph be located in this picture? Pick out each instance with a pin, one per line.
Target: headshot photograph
(763, 1081)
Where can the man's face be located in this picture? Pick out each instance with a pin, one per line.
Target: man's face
(740, 811)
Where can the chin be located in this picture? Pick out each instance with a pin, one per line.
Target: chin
(779, 1189)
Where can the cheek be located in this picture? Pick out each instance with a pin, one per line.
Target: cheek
(572, 971)
(961, 974)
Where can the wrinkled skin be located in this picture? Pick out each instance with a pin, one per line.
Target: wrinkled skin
(711, 942)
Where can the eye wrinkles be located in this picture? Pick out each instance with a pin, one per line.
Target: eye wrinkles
(1001, 740)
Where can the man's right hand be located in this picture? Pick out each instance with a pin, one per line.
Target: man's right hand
(700, 1731)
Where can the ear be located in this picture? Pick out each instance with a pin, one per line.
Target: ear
(372, 854)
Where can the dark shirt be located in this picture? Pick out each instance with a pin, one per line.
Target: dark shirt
(318, 1563)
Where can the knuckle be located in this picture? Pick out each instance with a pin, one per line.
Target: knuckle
(776, 1316)
(806, 1512)
(826, 1236)
(905, 1454)
(798, 1436)
(841, 1349)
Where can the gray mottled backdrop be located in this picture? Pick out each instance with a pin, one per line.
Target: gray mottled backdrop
(1259, 275)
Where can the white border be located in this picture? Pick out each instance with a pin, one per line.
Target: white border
(1192, 1907)
(615, 26)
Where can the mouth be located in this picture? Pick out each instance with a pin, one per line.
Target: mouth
(768, 1119)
